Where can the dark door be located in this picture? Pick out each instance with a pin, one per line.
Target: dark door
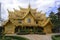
(17, 29)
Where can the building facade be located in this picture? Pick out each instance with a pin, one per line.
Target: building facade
(29, 20)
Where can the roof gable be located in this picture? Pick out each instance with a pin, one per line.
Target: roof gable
(23, 12)
(8, 22)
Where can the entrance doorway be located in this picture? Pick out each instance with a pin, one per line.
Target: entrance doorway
(28, 30)
(39, 29)
(17, 29)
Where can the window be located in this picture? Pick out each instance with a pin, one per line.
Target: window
(36, 22)
(29, 20)
(20, 21)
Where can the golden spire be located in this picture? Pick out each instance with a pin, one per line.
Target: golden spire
(29, 6)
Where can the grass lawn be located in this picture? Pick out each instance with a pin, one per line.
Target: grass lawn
(56, 37)
(13, 38)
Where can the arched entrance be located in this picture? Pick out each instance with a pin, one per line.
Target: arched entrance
(17, 29)
(40, 29)
(30, 30)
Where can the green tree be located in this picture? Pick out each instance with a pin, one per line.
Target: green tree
(58, 16)
(53, 18)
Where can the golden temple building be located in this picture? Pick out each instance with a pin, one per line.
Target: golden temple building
(27, 19)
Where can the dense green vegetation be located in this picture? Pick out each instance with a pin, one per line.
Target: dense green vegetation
(55, 19)
(12, 38)
(56, 37)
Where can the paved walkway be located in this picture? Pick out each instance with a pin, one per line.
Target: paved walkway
(36, 37)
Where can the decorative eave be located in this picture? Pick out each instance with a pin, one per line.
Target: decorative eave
(22, 8)
(46, 23)
(26, 10)
(10, 12)
(5, 23)
(29, 8)
(15, 10)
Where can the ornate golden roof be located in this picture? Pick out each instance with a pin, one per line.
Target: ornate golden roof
(21, 14)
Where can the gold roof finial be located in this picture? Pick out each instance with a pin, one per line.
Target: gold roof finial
(8, 11)
(29, 6)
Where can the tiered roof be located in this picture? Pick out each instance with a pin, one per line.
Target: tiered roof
(21, 14)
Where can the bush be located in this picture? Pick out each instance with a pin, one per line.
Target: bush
(13, 38)
(56, 37)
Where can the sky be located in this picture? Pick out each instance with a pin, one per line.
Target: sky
(45, 5)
